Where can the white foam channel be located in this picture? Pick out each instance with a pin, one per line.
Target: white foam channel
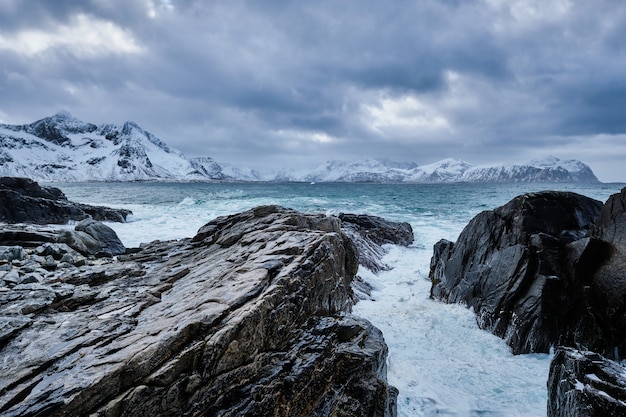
(439, 359)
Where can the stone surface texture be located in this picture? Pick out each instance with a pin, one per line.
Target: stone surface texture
(585, 384)
(251, 317)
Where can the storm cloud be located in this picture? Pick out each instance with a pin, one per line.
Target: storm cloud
(284, 83)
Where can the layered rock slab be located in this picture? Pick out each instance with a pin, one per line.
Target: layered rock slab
(250, 317)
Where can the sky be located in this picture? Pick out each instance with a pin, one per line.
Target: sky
(279, 83)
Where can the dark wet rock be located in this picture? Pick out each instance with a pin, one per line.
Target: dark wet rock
(600, 268)
(24, 201)
(508, 265)
(549, 269)
(585, 384)
(370, 233)
(248, 318)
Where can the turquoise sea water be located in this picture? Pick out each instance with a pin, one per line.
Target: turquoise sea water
(441, 362)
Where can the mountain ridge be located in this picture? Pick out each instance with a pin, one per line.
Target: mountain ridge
(63, 148)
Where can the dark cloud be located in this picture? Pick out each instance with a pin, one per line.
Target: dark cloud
(269, 83)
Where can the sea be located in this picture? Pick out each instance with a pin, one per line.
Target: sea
(441, 362)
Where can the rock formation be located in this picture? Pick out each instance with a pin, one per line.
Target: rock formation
(584, 384)
(549, 270)
(250, 317)
(507, 266)
(24, 201)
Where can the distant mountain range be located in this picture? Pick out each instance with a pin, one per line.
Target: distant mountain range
(63, 148)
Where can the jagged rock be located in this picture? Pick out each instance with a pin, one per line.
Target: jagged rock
(592, 292)
(24, 201)
(585, 384)
(248, 318)
(58, 251)
(548, 269)
(507, 265)
(369, 233)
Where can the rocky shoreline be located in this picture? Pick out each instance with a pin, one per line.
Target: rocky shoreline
(546, 271)
(249, 317)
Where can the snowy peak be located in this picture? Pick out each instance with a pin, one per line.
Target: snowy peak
(364, 170)
(207, 167)
(63, 148)
(58, 128)
(446, 170)
(549, 169)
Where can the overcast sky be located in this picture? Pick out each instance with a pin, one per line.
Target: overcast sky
(279, 83)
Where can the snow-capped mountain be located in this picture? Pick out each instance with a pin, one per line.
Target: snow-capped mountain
(234, 173)
(446, 170)
(63, 148)
(550, 169)
(365, 170)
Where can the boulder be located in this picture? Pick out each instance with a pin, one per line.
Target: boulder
(10, 253)
(508, 264)
(585, 384)
(24, 201)
(250, 317)
(107, 239)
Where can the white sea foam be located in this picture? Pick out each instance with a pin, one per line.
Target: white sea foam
(441, 362)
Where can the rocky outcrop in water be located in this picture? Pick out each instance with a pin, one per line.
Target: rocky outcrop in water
(24, 201)
(507, 265)
(547, 270)
(248, 318)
